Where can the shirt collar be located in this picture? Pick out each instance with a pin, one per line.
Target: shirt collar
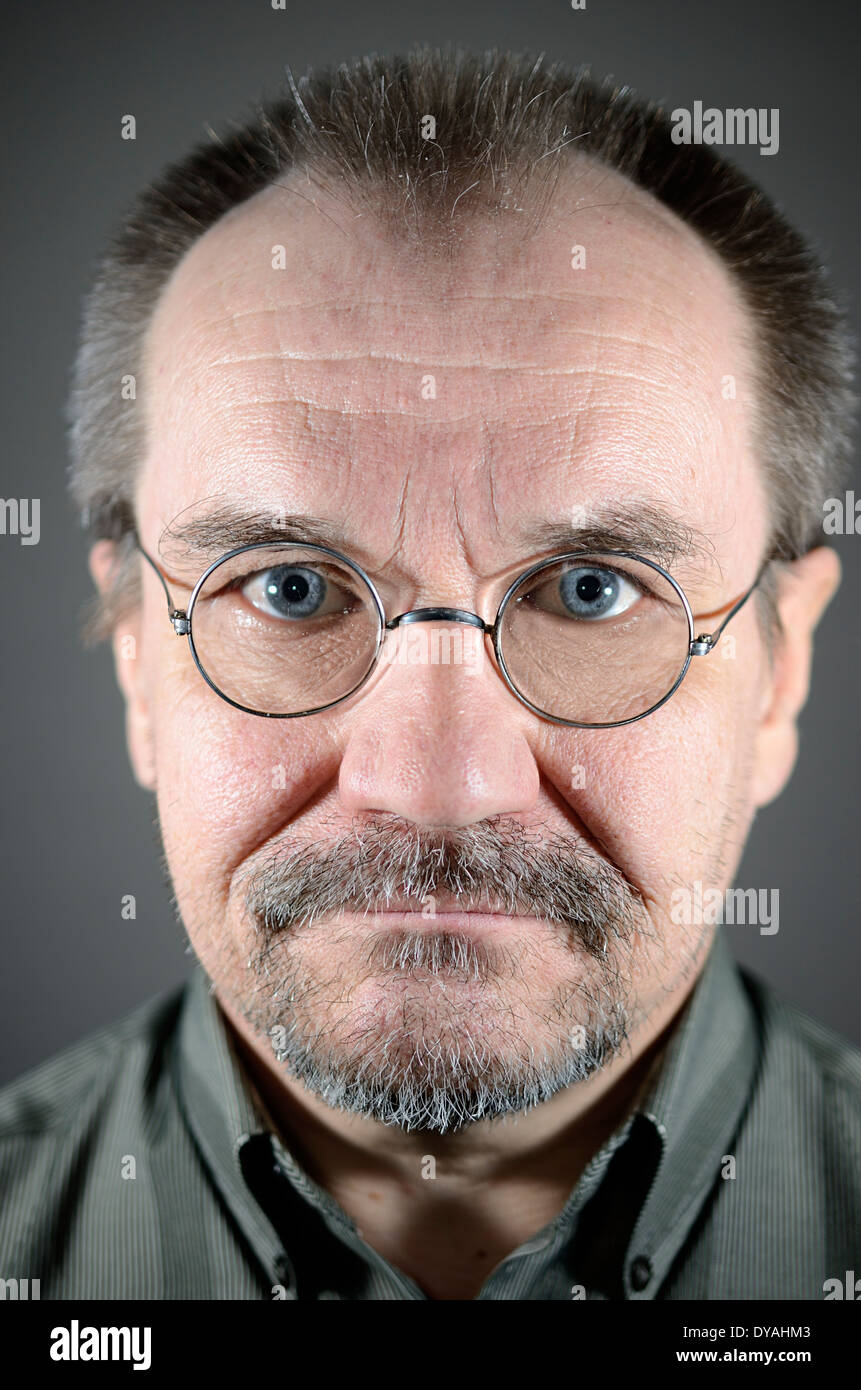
(222, 1111)
(688, 1106)
(694, 1100)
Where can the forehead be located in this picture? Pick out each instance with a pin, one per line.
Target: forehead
(303, 355)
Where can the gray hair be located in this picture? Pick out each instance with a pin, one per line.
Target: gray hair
(498, 118)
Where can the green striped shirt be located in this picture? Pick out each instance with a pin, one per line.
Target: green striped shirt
(139, 1163)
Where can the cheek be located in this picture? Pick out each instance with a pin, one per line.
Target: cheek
(227, 782)
(661, 797)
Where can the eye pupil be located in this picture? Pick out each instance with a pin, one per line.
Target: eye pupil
(293, 588)
(589, 588)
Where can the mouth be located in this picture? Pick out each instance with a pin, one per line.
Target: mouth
(439, 904)
(441, 912)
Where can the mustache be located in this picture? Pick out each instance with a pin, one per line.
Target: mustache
(496, 866)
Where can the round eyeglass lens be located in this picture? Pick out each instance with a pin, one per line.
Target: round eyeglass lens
(594, 639)
(285, 629)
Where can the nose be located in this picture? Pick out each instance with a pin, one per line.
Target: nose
(436, 737)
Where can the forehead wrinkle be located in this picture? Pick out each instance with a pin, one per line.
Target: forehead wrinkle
(569, 449)
(567, 329)
(685, 368)
(672, 434)
(418, 301)
(445, 364)
(665, 374)
(620, 415)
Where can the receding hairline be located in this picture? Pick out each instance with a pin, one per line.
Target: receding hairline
(349, 205)
(370, 200)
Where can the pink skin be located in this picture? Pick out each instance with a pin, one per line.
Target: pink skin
(556, 389)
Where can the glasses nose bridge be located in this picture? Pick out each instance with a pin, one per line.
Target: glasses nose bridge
(439, 615)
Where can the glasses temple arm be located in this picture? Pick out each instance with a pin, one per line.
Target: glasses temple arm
(707, 641)
(177, 617)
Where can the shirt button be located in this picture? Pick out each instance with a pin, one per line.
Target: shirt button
(640, 1272)
(284, 1271)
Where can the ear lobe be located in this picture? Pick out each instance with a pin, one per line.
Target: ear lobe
(806, 587)
(126, 641)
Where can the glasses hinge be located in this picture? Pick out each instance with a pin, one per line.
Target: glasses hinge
(703, 644)
(180, 622)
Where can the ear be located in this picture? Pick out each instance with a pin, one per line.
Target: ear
(126, 641)
(806, 587)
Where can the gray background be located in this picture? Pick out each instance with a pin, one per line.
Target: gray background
(77, 832)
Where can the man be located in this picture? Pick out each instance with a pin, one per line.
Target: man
(472, 425)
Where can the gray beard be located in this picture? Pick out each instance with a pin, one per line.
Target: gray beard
(426, 1063)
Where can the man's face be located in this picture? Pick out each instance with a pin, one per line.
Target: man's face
(560, 394)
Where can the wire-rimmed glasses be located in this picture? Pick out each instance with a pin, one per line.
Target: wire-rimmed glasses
(591, 639)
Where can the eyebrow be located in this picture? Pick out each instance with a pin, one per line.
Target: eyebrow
(206, 537)
(639, 526)
(642, 527)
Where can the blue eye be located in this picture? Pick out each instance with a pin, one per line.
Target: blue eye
(288, 591)
(589, 592)
(296, 593)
